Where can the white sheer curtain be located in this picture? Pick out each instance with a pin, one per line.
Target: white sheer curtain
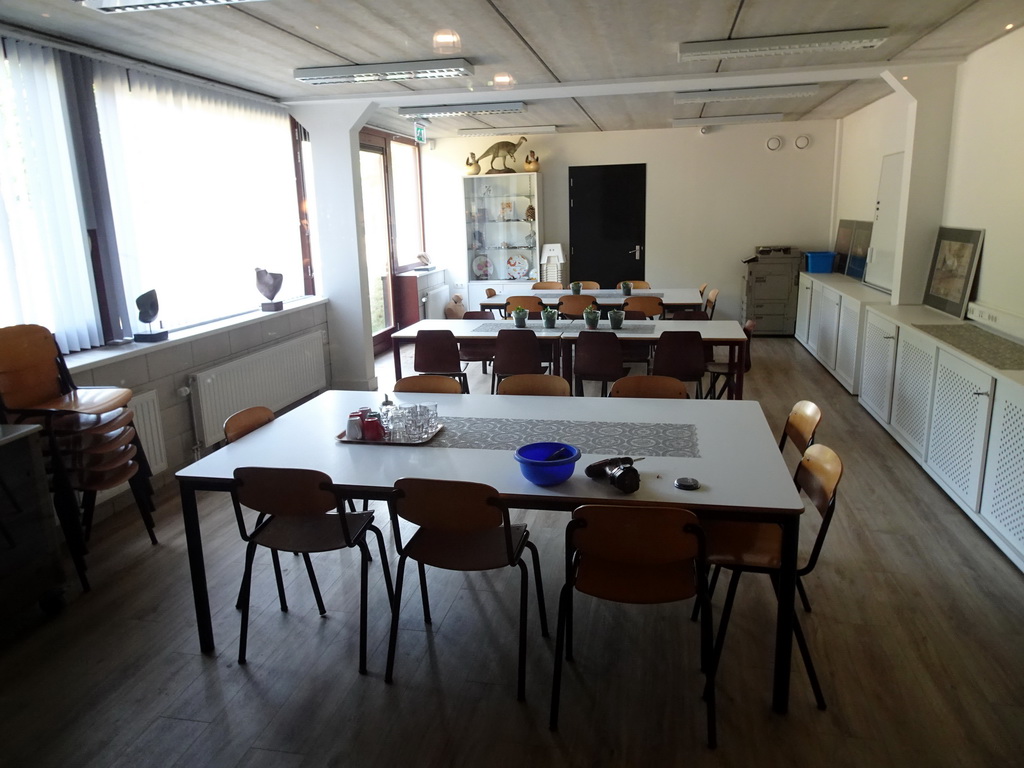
(202, 187)
(44, 249)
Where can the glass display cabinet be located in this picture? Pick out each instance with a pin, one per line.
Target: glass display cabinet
(503, 234)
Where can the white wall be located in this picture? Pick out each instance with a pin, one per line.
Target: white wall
(710, 198)
(986, 171)
(866, 137)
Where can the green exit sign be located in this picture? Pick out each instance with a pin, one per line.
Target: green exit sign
(421, 133)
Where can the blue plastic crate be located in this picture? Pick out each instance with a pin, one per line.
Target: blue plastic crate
(820, 261)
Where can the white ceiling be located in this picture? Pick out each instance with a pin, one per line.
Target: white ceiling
(583, 65)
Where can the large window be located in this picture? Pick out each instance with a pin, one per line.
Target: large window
(184, 190)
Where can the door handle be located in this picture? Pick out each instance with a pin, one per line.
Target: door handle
(636, 252)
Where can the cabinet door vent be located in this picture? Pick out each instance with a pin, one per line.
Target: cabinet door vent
(913, 393)
(954, 448)
(876, 370)
(1004, 503)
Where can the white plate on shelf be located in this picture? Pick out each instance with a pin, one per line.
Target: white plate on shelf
(482, 267)
(516, 267)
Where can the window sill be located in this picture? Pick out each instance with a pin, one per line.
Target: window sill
(100, 356)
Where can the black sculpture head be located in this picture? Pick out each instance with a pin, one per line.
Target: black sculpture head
(149, 306)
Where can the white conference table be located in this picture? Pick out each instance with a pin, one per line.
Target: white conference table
(727, 333)
(673, 298)
(737, 461)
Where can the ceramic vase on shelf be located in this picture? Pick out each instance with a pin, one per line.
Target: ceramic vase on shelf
(591, 317)
(615, 318)
(549, 315)
(519, 316)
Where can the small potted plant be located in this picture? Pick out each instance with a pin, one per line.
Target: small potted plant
(627, 288)
(591, 315)
(576, 287)
(615, 318)
(519, 315)
(549, 315)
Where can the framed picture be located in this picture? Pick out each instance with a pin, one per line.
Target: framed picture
(953, 266)
(844, 239)
(859, 249)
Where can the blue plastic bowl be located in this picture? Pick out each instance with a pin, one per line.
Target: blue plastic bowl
(539, 469)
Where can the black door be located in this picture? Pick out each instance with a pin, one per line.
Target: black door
(607, 213)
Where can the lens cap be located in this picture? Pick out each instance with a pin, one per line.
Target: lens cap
(687, 483)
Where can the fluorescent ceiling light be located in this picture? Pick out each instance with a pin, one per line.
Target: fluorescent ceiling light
(848, 40)
(398, 70)
(457, 110)
(128, 6)
(516, 129)
(685, 122)
(743, 94)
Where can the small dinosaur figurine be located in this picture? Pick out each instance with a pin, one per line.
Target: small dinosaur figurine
(472, 166)
(504, 150)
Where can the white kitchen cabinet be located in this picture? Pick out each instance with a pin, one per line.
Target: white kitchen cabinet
(913, 380)
(961, 409)
(877, 365)
(848, 343)
(1002, 497)
(803, 308)
(827, 303)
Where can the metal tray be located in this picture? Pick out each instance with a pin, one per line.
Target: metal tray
(387, 441)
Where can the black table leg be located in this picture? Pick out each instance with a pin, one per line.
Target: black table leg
(196, 565)
(784, 619)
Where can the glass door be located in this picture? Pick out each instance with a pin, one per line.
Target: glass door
(377, 237)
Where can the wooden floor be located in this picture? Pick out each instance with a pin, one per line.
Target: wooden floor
(917, 631)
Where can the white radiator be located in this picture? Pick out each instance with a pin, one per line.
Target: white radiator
(275, 377)
(434, 302)
(151, 434)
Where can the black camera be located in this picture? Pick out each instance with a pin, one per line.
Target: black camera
(619, 471)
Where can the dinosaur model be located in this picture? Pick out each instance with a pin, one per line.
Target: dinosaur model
(505, 150)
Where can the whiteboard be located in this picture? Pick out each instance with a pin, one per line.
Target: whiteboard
(882, 254)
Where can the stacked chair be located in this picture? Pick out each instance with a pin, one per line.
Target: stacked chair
(89, 433)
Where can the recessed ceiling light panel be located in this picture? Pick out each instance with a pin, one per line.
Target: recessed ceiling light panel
(128, 6)
(398, 70)
(458, 110)
(510, 131)
(846, 40)
(686, 122)
(747, 94)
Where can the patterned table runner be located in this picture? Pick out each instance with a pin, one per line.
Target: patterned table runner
(601, 437)
(629, 327)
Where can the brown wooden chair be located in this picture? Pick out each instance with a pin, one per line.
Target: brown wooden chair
(300, 511)
(703, 287)
(534, 384)
(639, 284)
(649, 386)
(597, 357)
(533, 304)
(635, 555)
(800, 426)
(651, 306)
(710, 302)
(547, 285)
(719, 371)
(680, 354)
(744, 547)
(636, 351)
(430, 383)
(689, 314)
(588, 285)
(241, 423)
(571, 305)
(87, 432)
(438, 352)
(461, 527)
(477, 350)
(517, 351)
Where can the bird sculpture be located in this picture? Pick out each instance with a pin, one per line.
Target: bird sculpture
(506, 150)
(472, 166)
(148, 306)
(268, 284)
(532, 163)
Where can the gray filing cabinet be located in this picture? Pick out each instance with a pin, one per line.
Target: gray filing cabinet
(770, 288)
